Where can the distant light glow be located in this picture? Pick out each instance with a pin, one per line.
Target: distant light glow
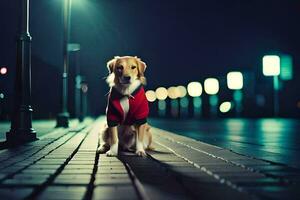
(3, 70)
(194, 89)
(151, 96)
(197, 102)
(173, 92)
(235, 80)
(211, 86)
(182, 91)
(184, 102)
(271, 65)
(161, 93)
(1, 96)
(225, 107)
(286, 67)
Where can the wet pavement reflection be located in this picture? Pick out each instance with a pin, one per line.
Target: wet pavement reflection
(276, 140)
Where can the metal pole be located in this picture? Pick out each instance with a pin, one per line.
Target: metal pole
(21, 123)
(63, 117)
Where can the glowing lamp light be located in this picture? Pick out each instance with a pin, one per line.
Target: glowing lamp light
(161, 93)
(211, 86)
(182, 91)
(271, 65)
(225, 107)
(194, 89)
(3, 70)
(235, 80)
(173, 93)
(151, 96)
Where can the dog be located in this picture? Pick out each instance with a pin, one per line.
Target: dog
(127, 109)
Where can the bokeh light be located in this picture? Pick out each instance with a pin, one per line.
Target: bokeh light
(182, 91)
(211, 86)
(3, 70)
(225, 107)
(235, 80)
(271, 65)
(194, 89)
(161, 93)
(173, 92)
(151, 96)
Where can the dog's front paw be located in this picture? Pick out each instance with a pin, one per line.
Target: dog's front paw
(141, 153)
(112, 153)
(103, 149)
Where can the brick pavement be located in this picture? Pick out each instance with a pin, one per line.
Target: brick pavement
(64, 165)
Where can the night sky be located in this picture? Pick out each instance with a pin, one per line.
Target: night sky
(179, 40)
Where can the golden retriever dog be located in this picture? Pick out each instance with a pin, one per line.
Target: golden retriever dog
(127, 108)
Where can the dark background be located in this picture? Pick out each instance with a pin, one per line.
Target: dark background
(180, 41)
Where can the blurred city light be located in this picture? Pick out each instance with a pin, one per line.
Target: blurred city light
(182, 91)
(271, 65)
(286, 67)
(173, 92)
(3, 70)
(235, 80)
(225, 107)
(194, 89)
(1, 96)
(161, 93)
(211, 86)
(150, 94)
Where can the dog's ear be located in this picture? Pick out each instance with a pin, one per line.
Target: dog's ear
(141, 65)
(141, 69)
(111, 64)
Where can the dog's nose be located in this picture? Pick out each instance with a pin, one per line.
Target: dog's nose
(126, 78)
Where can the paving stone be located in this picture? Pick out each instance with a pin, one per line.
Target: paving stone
(71, 179)
(63, 193)
(15, 193)
(21, 181)
(114, 192)
(112, 181)
(39, 171)
(79, 167)
(77, 171)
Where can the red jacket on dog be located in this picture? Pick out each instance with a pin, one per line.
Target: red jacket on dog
(127, 109)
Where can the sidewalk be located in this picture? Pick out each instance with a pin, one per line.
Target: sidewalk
(64, 165)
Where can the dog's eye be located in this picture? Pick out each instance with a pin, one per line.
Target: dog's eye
(120, 68)
(133, 67)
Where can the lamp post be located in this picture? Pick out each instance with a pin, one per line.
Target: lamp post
(195, 90)
(75, 48)
(271, 67)
(62, 119)
(235, 82)
(211, 87)
(21, 123)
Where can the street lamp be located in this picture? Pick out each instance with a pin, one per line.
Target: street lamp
(211, 87)
(271, 67)
(235, 82)
(62, 119)
(21, 123)
(161, 95)
(195, 90)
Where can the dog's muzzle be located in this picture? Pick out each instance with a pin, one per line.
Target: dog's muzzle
(125, 79)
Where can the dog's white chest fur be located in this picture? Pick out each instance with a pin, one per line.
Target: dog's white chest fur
(125, 105)
(124, 102)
